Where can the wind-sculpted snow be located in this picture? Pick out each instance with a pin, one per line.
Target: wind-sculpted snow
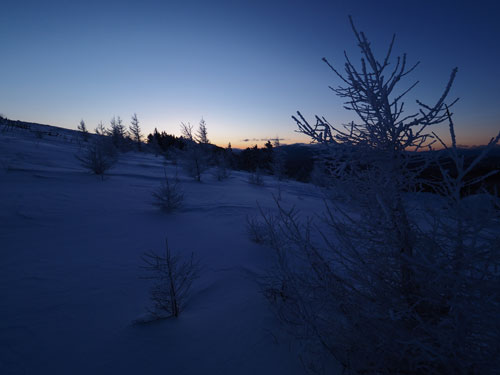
(71, 246)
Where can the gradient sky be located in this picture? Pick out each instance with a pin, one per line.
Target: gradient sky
(245, 66)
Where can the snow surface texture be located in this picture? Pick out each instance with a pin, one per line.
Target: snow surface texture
(71, 247)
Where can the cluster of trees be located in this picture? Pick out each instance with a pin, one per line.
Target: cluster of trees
(299, 162)
(10, 124)
(163, 142)
(197, 153)
(284, 161)
(123, 138)
(253, 158)
(196, 146)
(294, 162)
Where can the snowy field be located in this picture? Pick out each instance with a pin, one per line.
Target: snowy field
(70, 267)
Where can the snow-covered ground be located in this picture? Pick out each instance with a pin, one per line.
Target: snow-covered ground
(70, 267)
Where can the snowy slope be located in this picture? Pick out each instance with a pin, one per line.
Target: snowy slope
(70, 257)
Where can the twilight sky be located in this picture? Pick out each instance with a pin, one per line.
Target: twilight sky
(245, 66)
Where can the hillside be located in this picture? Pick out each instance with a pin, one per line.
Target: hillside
(70, 267)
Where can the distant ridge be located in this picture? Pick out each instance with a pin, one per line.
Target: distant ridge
(34, 126)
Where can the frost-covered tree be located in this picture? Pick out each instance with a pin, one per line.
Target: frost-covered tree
(117, 132)
(169, 196)
(195, 155)
(201, 134)
(373, 151)
(187, 131)
(255, 177)
(83, 130)
(135, 131)
(394, 283)
(100, 129)
(98, 156)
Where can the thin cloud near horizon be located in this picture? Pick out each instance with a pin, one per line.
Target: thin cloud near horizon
(262, 139)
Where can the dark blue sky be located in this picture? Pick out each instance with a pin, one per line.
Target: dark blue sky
(245, 66)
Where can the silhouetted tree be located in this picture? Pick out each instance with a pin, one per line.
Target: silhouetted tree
(135, 131)
(117, 132)
(100, 129)
(83, 130)
(249, 159)
(173, 279)
(229, 156)
(201, 134)
(98, 156)
(195, 154)
(187, 131)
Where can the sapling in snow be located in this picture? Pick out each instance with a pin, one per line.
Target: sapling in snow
(98, 156)
(169, 196)
(173, 277)
(255, 178)
(135, 131)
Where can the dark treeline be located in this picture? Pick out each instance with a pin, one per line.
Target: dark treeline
(164, 141)
(298, 160)
(295, 161)
(429, 167)
(486, 167)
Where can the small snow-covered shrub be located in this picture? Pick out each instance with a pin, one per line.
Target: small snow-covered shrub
(221, 173)
(255, 178)
(222, 169)
(169, 196)
(267, 227)
(98, 157)
(257, 229)
(173, 277)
